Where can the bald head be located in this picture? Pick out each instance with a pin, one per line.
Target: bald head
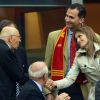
(7, 31)
(38, 69)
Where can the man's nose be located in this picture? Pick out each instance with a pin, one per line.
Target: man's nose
(67, 19)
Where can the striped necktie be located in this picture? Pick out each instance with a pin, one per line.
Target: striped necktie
(17, 89)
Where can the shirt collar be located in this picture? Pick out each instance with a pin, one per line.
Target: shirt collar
(8, 45)
(97, 47)
(70, 32)
(39, 86)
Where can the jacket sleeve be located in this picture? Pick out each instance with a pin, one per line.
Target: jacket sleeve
(52, 39)
(49, 51)
(70, 77)
(11, 67)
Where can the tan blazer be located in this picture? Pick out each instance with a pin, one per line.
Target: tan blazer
(52, 39)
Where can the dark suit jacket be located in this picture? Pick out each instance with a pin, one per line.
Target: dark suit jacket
(30, 91)
(22, 60)
(10, 72)
(97, 91)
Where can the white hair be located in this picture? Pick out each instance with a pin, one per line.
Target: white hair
(8, 31)
(39, 73)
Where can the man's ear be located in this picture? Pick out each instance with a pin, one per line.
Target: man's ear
(82, 21)
(45, 76)
(10, 39)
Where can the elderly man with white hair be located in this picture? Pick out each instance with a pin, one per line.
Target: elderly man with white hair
(32, 90)
(11, 36)
(38, 74)
(10, 72)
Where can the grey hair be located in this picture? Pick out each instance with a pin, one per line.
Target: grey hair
(39, 73)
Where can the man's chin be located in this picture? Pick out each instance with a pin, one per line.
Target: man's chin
(69, 27)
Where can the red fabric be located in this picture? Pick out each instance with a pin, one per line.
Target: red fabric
(72, 50)
(57, 65)
(81, 79)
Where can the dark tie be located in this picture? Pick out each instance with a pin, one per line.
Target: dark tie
(72, 50)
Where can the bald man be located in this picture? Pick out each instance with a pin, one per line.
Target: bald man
(10, 72)
(38, 74)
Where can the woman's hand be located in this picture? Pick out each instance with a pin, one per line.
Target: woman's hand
(63, 96)
(50, 84)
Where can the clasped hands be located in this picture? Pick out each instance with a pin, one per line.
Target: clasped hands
(50, 84)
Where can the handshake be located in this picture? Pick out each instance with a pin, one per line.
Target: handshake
(52, 85)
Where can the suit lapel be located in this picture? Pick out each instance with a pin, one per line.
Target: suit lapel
(37, 89)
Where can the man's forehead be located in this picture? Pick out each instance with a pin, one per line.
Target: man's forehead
(72, 11)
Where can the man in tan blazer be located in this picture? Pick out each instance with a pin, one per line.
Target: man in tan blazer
(75, 16)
